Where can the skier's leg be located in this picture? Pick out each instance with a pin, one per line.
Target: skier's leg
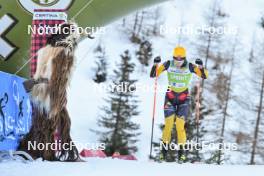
(169, 113)
(181, 133)
(166, 135)
(181, 136)
(182, 114)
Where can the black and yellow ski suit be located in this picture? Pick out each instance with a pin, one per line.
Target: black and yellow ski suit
(176, 106)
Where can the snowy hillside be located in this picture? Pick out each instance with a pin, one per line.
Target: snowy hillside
(109, 167)
(85, 97)
(85, 101)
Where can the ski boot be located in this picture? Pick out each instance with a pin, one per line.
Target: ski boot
(182, 159)
(161, 158)
(163, 155)
(181, 156)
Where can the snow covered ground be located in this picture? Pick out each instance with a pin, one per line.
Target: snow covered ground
(85, 100)
(115, 167)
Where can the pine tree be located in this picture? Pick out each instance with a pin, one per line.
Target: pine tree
(258, 122)
(121, 132)
(143, 24)
(157, 22)
(209, 50)
(101, 65)
(259, 84)
(226, 99)
(135, 31)
(250, 139)
(144, 54)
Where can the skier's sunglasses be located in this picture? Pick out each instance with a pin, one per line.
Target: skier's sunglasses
(178, 58)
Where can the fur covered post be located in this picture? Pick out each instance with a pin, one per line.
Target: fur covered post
(49, 99)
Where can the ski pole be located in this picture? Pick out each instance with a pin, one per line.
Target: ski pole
(199, 62)
(197, 116)
(197, 111)
(153, 112)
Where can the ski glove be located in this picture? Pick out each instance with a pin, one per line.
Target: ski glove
(199, 62)
(157, 60)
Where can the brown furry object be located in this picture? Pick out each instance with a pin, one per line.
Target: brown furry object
(50, 115)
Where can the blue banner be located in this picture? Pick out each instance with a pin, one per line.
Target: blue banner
(15, 111)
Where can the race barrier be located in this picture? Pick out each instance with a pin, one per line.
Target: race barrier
(15, 111)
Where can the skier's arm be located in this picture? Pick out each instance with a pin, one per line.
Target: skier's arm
(158, 69)
(199, 70)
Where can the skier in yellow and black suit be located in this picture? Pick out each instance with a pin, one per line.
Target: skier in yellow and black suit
(176, 106)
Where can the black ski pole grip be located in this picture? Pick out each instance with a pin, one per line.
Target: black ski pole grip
(157, 59)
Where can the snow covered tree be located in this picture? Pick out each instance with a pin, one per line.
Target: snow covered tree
(258, 81)
(249, 135)
(121, 132)
(144, 24)
(208, 46)
(154, 21)
(252, 56)
(258, 122)
(136, 29)
(210, 40)
(227, 95)
(144, 53)
(101, 65)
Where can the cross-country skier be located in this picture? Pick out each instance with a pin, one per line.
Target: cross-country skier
(177, 99)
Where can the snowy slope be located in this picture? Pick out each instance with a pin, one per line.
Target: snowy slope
(110, 167)
(85, 100)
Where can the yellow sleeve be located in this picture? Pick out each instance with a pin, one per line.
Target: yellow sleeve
(160, 69)
(199, 72)
(156, 70)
